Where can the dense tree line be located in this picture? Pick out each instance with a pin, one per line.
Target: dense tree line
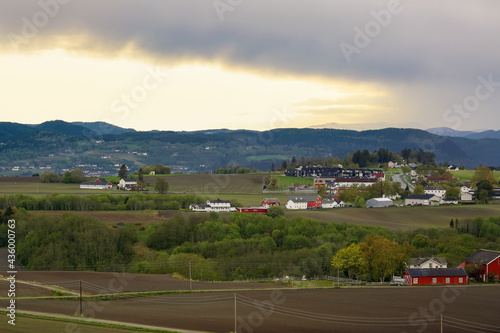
(95, 202)
(70, 242)
(242, 246)
(232, 169)
(258, 246)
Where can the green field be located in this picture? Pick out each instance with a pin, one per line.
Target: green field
(267, 157)
(285, 181)
(46, 188)
(468, 174)
(248, 183)
(45, 325)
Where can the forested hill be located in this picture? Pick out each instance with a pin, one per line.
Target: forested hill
(66, 145)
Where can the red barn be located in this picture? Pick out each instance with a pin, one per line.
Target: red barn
(435, 276)
(489, 261)
(252, 210)
(314, 203)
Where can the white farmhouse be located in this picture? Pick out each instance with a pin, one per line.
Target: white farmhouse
(219, 206)
(435, 190)
(127, 183)
(438, 262)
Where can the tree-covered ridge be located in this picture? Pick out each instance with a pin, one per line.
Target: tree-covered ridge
(208, 150)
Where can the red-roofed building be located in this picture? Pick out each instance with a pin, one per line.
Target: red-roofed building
(489, 261)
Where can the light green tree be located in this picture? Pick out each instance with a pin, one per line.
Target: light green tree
(349, 259)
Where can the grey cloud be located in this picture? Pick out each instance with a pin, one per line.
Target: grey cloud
(445, 44)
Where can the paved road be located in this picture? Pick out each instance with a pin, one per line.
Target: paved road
(402, 180)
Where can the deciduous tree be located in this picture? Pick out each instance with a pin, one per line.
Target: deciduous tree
(161, 186)
(349, 259)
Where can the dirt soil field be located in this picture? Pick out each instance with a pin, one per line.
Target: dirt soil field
(103, 283)
(365, 309)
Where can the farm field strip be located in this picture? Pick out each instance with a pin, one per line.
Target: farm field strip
(30, 321)
(388, 309)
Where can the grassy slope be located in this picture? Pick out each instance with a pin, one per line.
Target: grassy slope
(29, 324)
(467, 174)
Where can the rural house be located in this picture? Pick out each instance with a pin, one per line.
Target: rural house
(466, 196)
(304, 202)
(422, 200)
(331, 203)
(435, 276)
(489, 261)
(379, 202)
(127, 184)
(359, 182)
(99, 184)
(438, 262)
(219, 206)
(269, 202)
(435, 190)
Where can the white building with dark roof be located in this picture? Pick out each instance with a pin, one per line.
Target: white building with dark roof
(438, 262)
(219, 206)
(435, 190)
(127, 183)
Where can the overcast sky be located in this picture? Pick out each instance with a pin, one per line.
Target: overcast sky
(253, 64)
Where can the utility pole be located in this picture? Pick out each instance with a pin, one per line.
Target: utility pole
(190, 283)
(81, 308)
(338, 273)
(235, 321)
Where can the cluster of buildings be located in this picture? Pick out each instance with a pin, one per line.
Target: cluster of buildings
(435, 271)
(126, 184)
(435, 195)
(293, 203)
(338, 177)
(218, 206)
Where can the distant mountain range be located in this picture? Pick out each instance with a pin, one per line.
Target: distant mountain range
(445, 131)
(100, 146)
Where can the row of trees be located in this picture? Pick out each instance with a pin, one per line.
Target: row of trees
(232, 169)
(96, 202)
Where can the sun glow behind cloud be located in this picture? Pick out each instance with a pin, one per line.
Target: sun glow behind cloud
(56, 84)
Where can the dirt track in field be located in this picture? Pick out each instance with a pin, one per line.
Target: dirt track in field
(103, 283)
(365, 309)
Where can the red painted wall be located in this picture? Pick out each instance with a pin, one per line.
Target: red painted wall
(315, 204)
(493, 267)
(441, 280)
